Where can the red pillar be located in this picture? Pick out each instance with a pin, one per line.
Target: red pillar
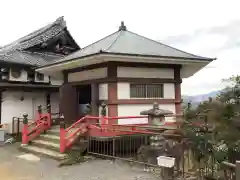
(178, 98)
(112, 107)
(25, 129)
(112, 92)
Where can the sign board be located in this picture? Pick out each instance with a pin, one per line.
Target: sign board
(165, 161)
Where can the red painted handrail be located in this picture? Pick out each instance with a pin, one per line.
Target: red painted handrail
(67, 138)
(42, 123)
(85, 123)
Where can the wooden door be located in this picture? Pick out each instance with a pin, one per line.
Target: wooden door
(68, 103)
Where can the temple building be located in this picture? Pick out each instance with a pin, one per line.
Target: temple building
(126, 71)
(21, 88)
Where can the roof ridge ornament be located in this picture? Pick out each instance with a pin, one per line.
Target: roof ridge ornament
(122, 27)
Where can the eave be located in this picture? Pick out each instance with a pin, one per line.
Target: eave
(56, 69)
(119, 55)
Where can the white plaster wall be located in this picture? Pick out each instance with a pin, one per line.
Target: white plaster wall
(145, 72)
(169, 91)
(12, 106)
(124, 91)
(103, 91)
(54, 101)
(87, 75)
(135, 109)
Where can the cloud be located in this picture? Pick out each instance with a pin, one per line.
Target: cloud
(222, 37)
(223, 42)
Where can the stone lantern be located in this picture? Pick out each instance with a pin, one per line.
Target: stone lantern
(156, 116)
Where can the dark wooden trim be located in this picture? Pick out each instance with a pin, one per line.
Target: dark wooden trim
(177, 74)
(65, 77)
(123, 64)
(139, 101)
(24, 82)
(100, 80)
(157, 56)
(48, 98)
(69, 36)
(146, 80)
(177, 87)
(111, 70)
(131, 80)
(16, 65)
(147, 65)
(89, 67)
(95, 98)
(30, 89)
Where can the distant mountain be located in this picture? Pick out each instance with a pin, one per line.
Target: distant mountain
(199, 98)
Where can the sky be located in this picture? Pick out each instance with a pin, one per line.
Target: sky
(208, 28)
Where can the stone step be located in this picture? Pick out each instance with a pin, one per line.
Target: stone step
(43, 151)
(46, 144)
(50, 137)
(54, 131)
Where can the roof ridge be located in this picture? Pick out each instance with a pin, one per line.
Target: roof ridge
(119, 34)
(169, 46)
(93, 43)
(14, 45)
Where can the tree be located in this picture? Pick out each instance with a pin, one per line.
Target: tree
(213, 128)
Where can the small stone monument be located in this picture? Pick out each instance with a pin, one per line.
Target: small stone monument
(156, 116)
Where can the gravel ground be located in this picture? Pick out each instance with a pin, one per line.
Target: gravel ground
(13, 168)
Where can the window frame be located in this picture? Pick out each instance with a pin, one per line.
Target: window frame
(146, 91)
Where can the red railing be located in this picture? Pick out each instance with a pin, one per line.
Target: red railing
(42, 123)
(69, 135)
(105, 128)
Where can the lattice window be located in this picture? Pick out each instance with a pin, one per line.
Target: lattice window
(146, 91)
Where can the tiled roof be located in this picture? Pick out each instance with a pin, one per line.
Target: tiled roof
(127, 42)
(15, 53)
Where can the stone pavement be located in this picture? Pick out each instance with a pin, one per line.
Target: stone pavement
(14, 168)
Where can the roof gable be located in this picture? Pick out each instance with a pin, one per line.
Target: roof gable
(20, 50)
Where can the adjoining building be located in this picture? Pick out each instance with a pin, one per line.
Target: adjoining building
(21, 88)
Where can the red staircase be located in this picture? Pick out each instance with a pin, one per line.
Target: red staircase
(69, 135)
(42, 123)
(42, 137)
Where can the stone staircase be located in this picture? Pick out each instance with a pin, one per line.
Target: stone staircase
(48, 144)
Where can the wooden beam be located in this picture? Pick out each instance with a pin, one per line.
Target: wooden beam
(94, 99)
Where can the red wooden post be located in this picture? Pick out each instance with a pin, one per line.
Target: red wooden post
(49, 118)
(25, 129)
(62, 135)
(39, 114)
